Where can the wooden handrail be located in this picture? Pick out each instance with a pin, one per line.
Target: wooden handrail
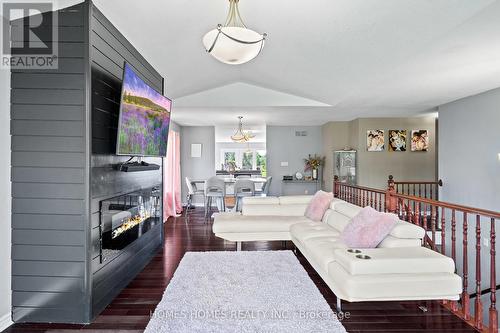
(433, 215)
(425, 189)
(467, 209)
(371, 189)
(416, 182)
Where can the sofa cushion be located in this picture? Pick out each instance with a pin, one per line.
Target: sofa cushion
(348, 209)
(391, 242)
(305, 231)
(321, 249)
(414, 260)
(295, 199)
(368, 228)
(404, 229)
(242, 223)
(261, 201)
(335, 202)
(336, 219)
(274, 210)
(318, 205)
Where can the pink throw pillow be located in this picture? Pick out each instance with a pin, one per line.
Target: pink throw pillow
(368, 228)
(318, 205)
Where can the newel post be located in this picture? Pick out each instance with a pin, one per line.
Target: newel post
(391, 202)
(336, 186)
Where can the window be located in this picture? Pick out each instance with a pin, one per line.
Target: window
(247, 162)
(245, 159)
(229, 157)
(261, 162)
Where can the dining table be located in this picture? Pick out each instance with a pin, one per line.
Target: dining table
(228, 181)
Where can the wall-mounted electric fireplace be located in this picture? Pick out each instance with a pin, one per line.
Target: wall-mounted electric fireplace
(126, 218)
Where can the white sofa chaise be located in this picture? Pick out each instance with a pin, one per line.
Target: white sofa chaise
(398, 269)
(262, 219)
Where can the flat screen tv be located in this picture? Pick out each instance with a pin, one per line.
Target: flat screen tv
(144, 118)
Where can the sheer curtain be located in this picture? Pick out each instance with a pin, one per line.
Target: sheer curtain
(172, 205)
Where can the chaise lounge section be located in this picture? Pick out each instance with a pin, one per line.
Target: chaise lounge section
(262, 219)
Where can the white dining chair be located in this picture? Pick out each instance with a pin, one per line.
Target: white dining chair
(215, 187)
(243, 188)
(192, 192)
(264, 192)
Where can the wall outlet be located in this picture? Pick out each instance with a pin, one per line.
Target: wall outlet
(284, 164)
(486, 242)
(306, 192)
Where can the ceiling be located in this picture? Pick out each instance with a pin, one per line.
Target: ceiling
(324, 59)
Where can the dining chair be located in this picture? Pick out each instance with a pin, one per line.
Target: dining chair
(243, 188)
(264, 192)
(192, 192)
(215, 187)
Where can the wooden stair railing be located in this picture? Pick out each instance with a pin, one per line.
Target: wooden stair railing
(360, 195)
(421, 189)
(438, 219)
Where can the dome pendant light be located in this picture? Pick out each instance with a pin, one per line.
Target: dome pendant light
(233, 43)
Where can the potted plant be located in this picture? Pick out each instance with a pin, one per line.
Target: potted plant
(313, 163)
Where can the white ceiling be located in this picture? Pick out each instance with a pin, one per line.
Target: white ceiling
(324, 59)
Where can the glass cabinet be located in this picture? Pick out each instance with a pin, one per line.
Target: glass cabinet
(345, 166)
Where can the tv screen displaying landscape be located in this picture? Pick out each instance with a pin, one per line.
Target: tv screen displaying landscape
(144, 118)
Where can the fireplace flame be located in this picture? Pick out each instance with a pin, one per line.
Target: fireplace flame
(129, 224)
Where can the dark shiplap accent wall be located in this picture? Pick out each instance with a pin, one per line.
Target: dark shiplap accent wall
(63, 147)
(109, 50)
(49, 176)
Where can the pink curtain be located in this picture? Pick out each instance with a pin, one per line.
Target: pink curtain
(172, 205)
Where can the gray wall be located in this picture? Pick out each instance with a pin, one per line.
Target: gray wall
(283, 146)
(373, 168)
(49, 176)
(469, 144)
(63, 130)
(335, 136)
(5, 201)
(197, 168)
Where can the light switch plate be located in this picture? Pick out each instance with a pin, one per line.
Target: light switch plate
(284, 164)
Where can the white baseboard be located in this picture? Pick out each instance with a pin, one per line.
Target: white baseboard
(5, 321)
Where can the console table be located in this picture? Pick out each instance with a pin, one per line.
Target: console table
(294, 187)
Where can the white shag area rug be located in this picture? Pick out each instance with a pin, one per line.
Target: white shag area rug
(246, 291)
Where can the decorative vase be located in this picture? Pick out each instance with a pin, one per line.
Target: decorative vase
(315, 174)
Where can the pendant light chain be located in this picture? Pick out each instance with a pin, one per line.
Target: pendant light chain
(233, 17)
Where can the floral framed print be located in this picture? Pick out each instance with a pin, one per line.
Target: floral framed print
(397, 140)
(419, 140)
(375, 140)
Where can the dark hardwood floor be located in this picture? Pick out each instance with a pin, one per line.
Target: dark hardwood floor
(130, 311)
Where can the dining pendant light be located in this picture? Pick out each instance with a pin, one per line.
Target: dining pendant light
(233, 43)
(241, 136)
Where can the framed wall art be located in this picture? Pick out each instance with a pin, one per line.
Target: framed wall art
(375, 140)
(397, 140)
(419, 140)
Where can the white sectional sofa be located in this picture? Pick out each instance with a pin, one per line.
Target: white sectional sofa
(398, 269)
